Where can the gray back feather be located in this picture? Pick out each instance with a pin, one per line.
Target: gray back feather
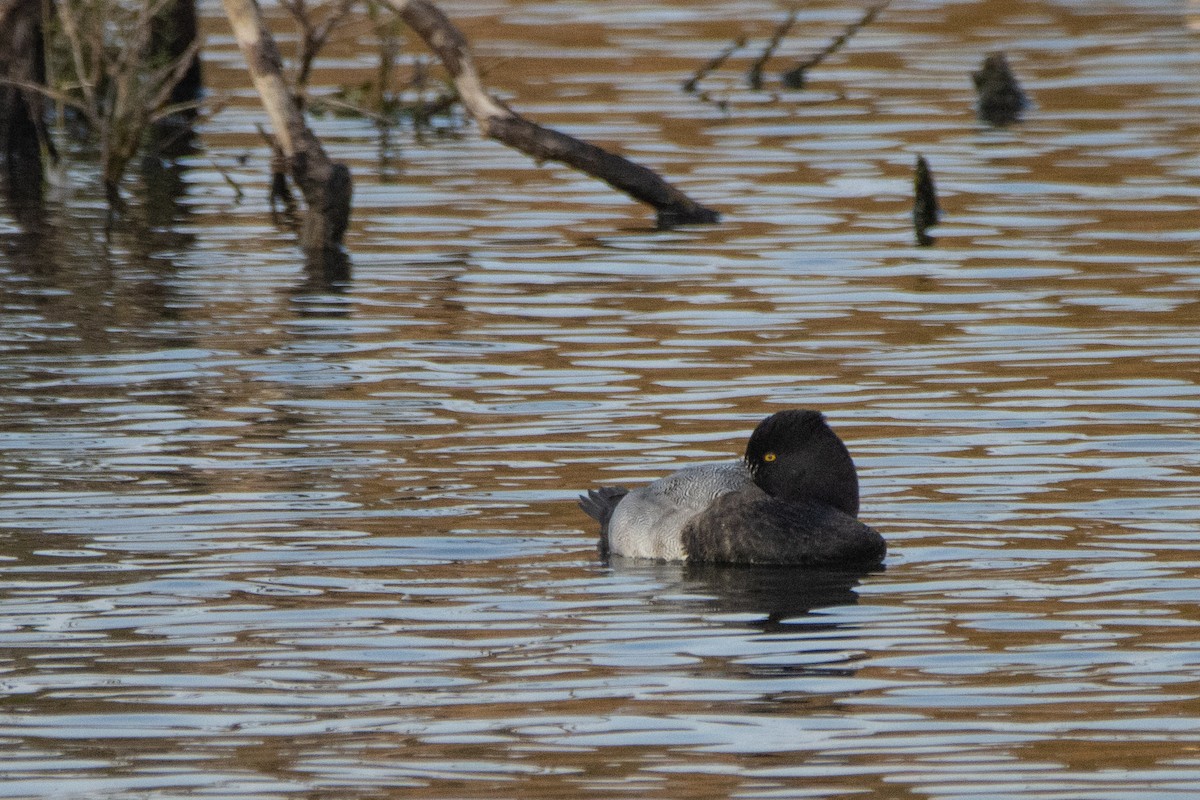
(649, 521)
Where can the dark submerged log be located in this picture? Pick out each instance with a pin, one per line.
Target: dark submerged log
(1001, 101)
(501, 123)
(22, 68)
(925, 203)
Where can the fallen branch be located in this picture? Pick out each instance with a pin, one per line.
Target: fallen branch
(326, 185)
(501, 123)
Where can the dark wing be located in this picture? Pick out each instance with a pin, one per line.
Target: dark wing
(599, 504)
(754, 528)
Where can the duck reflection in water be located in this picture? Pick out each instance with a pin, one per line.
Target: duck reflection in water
(782, 596)
(759, 598)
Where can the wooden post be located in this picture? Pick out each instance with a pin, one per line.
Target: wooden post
(926, 211)
(501, 123)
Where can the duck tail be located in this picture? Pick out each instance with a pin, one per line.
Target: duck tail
(599, 504)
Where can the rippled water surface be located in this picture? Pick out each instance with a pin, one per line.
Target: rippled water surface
(267, 533)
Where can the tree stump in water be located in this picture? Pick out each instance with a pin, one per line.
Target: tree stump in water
(1001, 101)
(326, 185)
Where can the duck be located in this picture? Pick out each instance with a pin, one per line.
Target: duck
(792, 499)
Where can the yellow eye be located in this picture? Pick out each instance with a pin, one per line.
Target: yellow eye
(769, 457)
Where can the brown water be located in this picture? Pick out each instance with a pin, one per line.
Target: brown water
(266, 535)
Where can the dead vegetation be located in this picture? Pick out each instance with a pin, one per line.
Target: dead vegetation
(116, 69)
(113, 75)
(118, 66)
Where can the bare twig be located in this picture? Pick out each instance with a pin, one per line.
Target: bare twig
(237, 189)
(712, 64)
(86, 76)
(388, 36)
(336, 104)
(53, 94)
(313, 35)
(794, 77)
(115, 79)
(167, 77)
(82, 107)
(280, 191)
(754, 74)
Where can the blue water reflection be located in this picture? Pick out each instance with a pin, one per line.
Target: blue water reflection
(268, 531)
